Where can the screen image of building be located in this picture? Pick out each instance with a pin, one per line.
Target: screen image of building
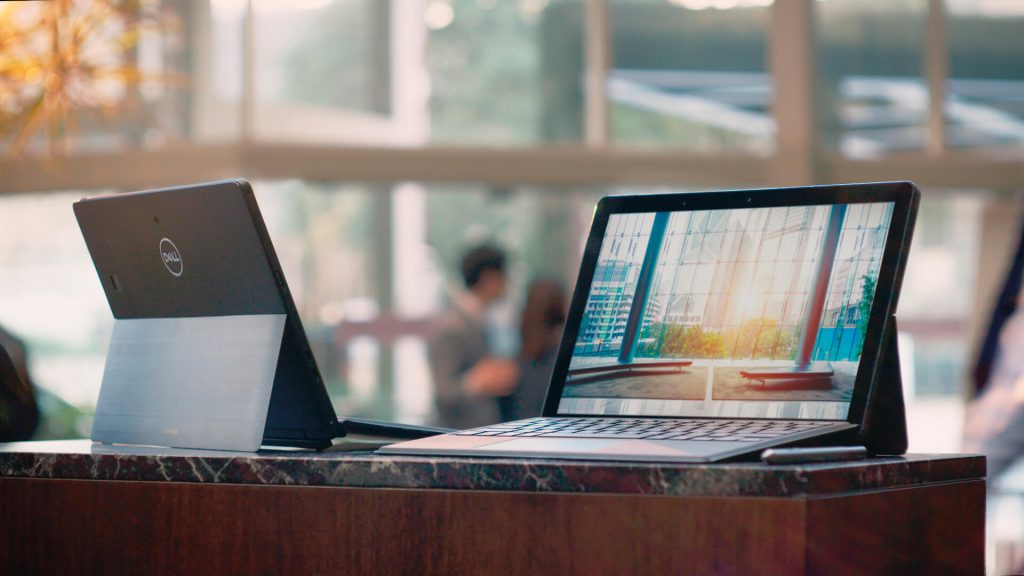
(734, 284)
(604, 318)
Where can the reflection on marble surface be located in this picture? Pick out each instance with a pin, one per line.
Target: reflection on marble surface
(81, 459)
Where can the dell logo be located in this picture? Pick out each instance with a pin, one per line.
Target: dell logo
(171, 258)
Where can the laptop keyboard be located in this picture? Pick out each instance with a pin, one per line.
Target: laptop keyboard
(648, 429)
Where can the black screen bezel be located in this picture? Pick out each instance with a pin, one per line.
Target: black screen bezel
(904, 195)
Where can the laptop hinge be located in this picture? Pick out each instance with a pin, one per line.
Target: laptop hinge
(884, 429)
(295, 416)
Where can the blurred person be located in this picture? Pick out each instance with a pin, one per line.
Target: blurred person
(994, 424)
(468, 378)
(541, 328)
(19, 412)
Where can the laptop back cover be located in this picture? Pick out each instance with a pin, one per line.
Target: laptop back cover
(199, 319)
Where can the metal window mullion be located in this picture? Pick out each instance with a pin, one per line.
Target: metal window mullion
(792, 67)
(248, 107)
(385, 403)
(200, 90)
(936, 70)
(569, 168)
(597, 62)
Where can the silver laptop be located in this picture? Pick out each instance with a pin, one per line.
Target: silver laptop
(710, 326)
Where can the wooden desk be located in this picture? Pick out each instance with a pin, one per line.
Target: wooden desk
(68, 508)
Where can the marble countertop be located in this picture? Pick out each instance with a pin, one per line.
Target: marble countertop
(81, 459)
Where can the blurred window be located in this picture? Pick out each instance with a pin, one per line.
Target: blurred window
(984, 106)
(870, 76)
(691, 75)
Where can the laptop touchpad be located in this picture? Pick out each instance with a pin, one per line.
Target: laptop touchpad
(553, 444)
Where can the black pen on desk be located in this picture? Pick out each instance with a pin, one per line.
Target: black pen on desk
(815, 454)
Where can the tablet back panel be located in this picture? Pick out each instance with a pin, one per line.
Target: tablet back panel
(206, 336)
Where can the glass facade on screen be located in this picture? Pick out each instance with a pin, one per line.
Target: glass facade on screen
(765, 306)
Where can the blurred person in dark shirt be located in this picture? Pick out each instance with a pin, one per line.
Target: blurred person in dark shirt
(541, 328)
(994, 424)
(19, 413)
(468, 377)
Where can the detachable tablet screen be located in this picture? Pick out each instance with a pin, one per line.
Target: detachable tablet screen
(748, 312)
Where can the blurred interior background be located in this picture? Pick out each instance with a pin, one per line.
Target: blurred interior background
(383, 138)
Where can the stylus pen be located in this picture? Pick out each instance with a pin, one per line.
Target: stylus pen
(816, 454)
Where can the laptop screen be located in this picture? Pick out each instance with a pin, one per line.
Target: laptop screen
(754, 313)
